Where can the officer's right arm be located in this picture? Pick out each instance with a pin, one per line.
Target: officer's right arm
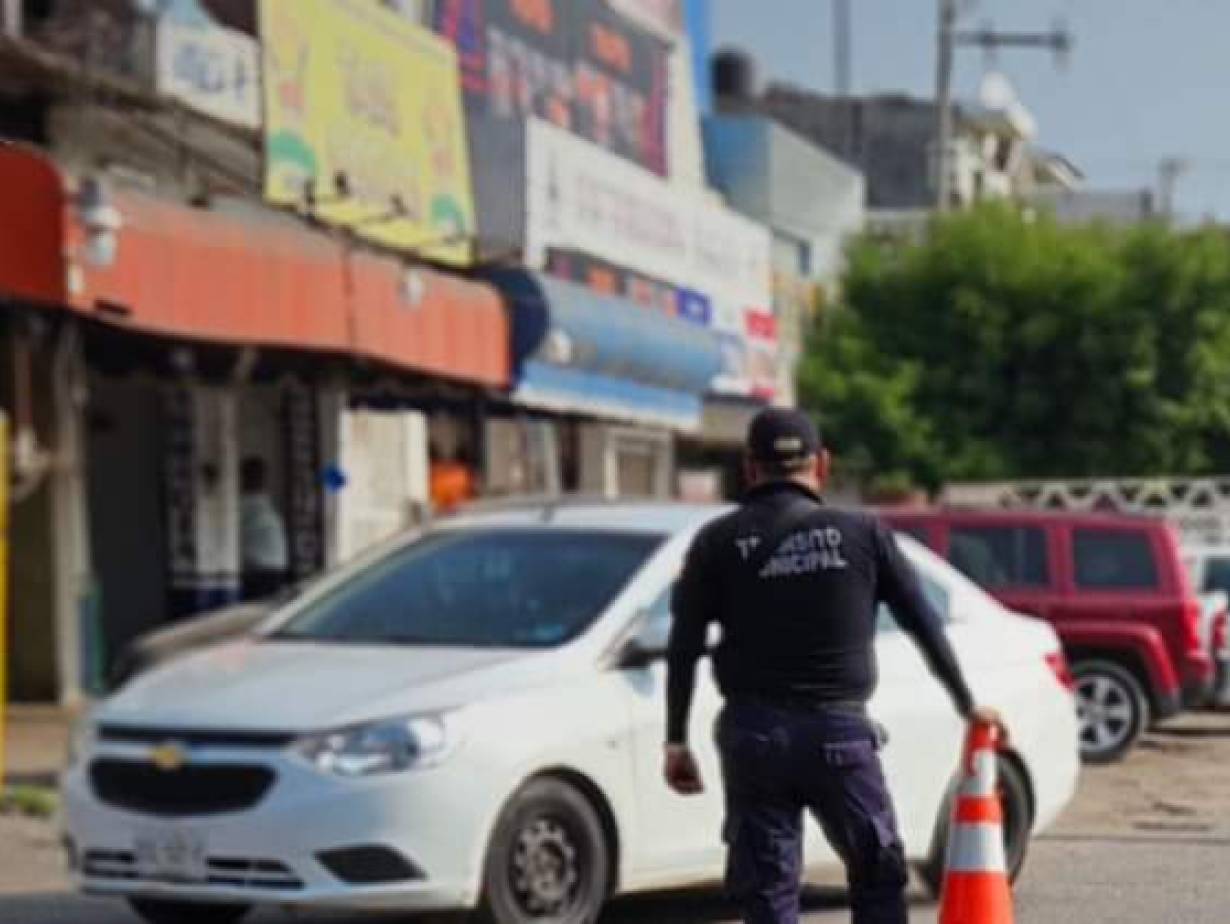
(693, 608)
(897, 585)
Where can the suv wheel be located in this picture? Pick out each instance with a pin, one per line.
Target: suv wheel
(1112, 709)
(159, 911)
(1018, 822)
(548, 860)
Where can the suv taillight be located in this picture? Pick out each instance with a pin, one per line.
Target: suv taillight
(1059, 667)
(1191, 625)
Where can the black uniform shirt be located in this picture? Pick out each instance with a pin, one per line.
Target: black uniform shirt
(799, 624)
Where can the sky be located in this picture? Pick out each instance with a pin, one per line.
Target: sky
(1146, 80)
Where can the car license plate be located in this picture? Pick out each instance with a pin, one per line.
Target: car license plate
(172, 855)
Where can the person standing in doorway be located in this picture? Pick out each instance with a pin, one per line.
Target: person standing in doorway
(795, 586)
(262, 534)
(452, 480)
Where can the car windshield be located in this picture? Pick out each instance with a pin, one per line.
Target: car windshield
(505, 588)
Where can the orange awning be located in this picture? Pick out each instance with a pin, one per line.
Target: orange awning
(245, 275)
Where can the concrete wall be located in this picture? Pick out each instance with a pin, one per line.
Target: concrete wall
(801, 191)
(888, 138)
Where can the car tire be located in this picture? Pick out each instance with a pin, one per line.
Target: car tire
(548, 859)
(1018, 826)
(160, 911)
(1112, 708)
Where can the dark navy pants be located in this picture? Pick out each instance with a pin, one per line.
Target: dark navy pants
(776, 763)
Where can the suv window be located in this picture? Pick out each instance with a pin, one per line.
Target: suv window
(1000, 556)
(1216, 574)
(1114, 559)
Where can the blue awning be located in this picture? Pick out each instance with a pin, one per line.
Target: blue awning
(578, 350)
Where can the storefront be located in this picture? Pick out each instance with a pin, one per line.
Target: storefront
(619, 379)
(207, 336)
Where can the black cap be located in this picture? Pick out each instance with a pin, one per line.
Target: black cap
(779, 436)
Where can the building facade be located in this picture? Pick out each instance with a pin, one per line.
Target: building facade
(355, 242)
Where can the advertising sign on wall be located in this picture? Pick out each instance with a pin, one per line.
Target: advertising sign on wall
(575, 63)
(610, 279)
(213, 69)
(354, 91)
(582, 198)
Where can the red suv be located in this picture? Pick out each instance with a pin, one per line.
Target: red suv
(1115, 589)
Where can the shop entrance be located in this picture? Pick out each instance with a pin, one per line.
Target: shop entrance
(126, 529)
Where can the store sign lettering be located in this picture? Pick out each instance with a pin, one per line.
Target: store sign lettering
(581, 198)
(610, 47)
(538, 14)
(210, 68)
(577, 64)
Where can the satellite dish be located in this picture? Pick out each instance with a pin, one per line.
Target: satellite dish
(997, 92)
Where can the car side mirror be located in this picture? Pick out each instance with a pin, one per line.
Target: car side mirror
(648, 644)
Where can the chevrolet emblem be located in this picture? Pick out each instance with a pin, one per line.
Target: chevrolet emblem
(168, 757)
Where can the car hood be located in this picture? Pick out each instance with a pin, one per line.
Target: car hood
(298, 686)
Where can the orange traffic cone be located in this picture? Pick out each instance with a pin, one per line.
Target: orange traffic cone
(976, 889)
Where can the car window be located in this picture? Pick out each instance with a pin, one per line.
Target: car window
(1000, 556)
(530, 588)
(1216, 574)
(660, 609)
(935, 592)
(1114, 559)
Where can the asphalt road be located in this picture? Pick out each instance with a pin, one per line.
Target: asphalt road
(1144, 843)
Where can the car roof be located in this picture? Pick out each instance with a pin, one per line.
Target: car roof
(567, 513)
(1029, 514)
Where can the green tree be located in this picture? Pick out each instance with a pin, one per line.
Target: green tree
(1000, 346)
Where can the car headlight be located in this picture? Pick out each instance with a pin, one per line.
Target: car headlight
(390, 746)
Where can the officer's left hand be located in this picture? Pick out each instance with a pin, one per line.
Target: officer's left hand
(681, 771)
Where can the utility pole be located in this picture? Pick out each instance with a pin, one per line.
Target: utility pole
(11, 25)
(943, 104)
(1057, 40)
(1168, 173)
(841, 47)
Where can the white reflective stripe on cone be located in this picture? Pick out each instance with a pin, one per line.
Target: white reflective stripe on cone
(976, 848)
(981, 782)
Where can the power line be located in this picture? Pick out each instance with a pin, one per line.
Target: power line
(949, 38)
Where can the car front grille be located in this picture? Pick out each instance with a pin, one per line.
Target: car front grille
(193, 737)
(194, 789)
(233, 872)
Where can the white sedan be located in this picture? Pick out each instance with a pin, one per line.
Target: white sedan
(473, 718)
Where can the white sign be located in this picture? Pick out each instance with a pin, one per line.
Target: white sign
(210, 68)
(665, 17)
(581, 197)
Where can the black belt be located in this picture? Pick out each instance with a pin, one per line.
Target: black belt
(791, 703)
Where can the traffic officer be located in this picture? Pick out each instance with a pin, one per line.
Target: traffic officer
(795, 586)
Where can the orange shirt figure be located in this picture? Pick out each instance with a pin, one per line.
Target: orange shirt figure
(452, 484)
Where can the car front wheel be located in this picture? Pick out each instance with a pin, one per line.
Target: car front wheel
(1112, 710)
(548, 860)
(158, 911)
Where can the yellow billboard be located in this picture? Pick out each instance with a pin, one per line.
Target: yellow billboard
(364, 125)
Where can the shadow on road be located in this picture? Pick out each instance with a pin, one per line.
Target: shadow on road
(709, 906)
(1190, 732)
